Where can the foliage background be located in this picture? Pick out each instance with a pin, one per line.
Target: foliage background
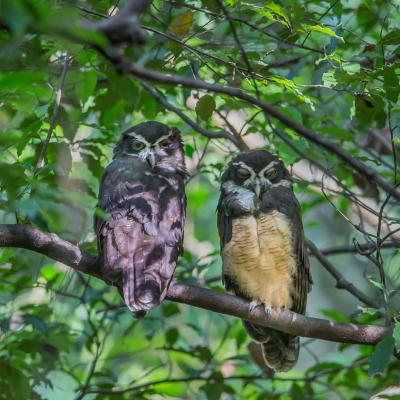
(61, 335)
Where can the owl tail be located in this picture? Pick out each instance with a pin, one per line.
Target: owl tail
(281, 355)
(280, 350)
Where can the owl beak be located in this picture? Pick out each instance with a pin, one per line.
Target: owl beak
(257, 188)
(151, 159)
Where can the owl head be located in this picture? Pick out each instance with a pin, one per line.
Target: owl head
(155, 143)
(256, 171)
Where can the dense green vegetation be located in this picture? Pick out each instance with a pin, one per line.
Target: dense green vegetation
(331, 66)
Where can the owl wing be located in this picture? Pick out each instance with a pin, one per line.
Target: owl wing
(224, 222)
(302, 279)
(141, 237)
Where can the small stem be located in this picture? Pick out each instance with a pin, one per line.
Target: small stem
(53, 119)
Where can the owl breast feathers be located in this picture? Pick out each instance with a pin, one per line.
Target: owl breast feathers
(142, 195)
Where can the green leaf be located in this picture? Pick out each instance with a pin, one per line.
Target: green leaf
(324, 30)
(262, 10)
(228, 100)
(391, 38)
(330, 77)
(335, 315)
(111, 115)
(337, 132)
(369, 54)
(333, 45)
(172, 336)
(351, 68)
(5, 325)
(396, 335)
(189, 150)
(205, 107)
(365, 159)
(170, 309)
(48, 272)
(174, 390)
(377, 284)
(42, 110)
(292, 87)
(391, 80)
(36, 322)
(369, 310)
(19, 385)
(381, 356)
(86, 88)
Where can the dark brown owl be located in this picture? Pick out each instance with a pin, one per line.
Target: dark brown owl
(263, 247)
(142, 193)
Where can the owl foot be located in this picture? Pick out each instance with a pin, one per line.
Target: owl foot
(254, 304)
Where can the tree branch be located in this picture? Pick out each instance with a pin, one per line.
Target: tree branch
(341, 282)
(237, 141)
(364, 247)
(124, 27)
(52, 246)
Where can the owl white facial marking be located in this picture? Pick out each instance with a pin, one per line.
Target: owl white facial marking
(244, 196)
(140, 138)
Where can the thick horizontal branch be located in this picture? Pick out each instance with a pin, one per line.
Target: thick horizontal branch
(52, 246)
(286, 321)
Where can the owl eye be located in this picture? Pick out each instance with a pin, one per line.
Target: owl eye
(270, 174)
(243, 173)
(165, 144)
(138, 145)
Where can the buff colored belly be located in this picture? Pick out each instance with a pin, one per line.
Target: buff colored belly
(260, 258)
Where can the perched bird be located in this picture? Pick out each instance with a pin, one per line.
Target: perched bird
(263, 247)
(142, 195)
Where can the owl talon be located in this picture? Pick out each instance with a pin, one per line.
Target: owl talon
(267, 311)
(253, 305)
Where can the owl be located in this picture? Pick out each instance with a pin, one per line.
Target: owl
(263, 247)
(140, 223)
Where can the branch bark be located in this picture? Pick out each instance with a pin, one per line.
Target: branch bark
(52, 246)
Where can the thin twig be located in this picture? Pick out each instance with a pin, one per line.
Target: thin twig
(53, 119)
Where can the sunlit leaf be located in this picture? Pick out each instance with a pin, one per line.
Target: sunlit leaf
(181, 24)
(324, 30)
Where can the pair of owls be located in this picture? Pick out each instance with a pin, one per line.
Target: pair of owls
(263, 248)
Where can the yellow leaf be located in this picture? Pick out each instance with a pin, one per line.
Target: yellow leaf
(181, 24)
